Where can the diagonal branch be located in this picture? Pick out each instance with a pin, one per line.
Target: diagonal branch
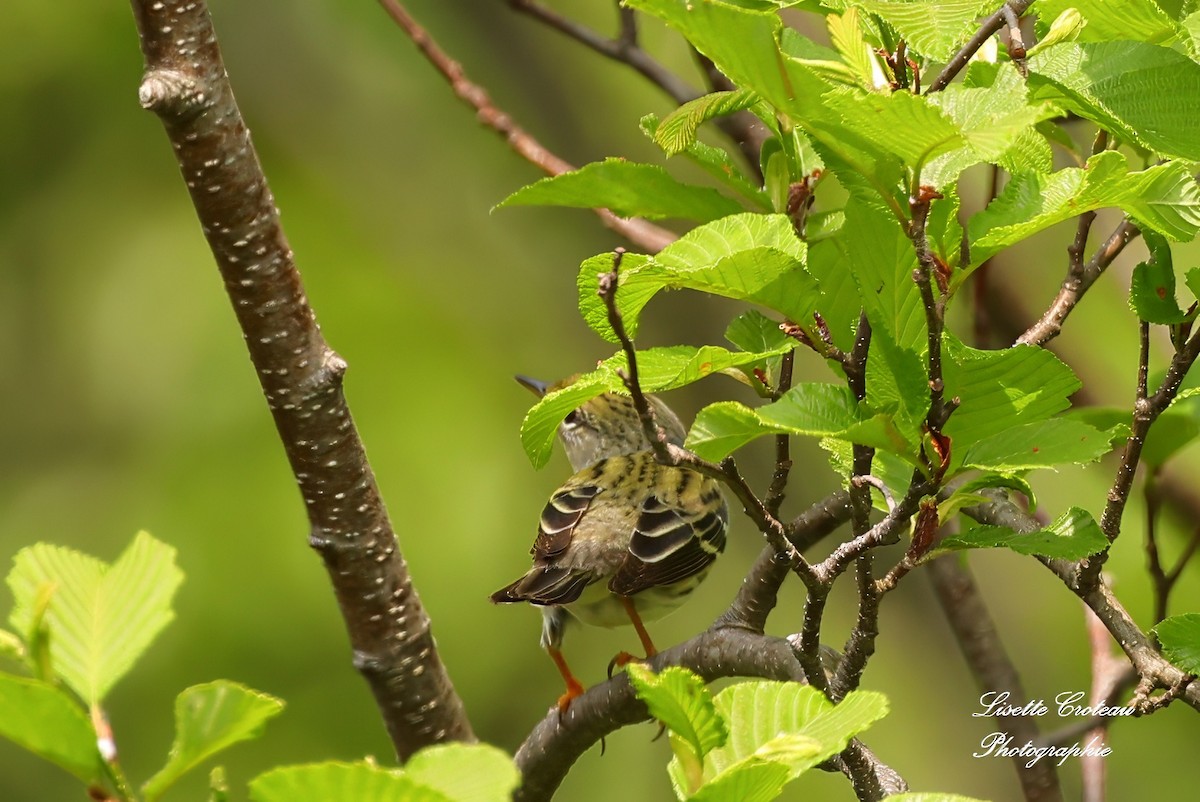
(646, 235)
(186, 86)
(1013, 8)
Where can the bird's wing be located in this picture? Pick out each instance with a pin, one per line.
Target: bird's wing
(553, 579)
(677, 535)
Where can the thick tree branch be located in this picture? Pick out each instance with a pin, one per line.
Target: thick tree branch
(645, 235)
(186, 86)
(977, 637)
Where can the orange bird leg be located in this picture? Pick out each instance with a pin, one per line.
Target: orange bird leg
(624, 658)
(574, 687)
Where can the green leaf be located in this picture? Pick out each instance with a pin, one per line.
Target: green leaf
(897, 383)
(968, 494)
(1131, 88)
(758, 712)
(1152, 287)
(1175, 429)
(719, 164)
(658, 368)
(47, 721)
(1042, 444)
(1114, 20)
(677, 131)
(881, 259)
(933, 28)
(208, 719)
(11, 646)
(1002, 389)
(808, 409)
(627, 189)
(340, 782)
(101, 618)
(754, 332)
(1073, 536)
(1164, 198)
(677, 697)
(465, 772)
(1180, 639)
(846, 35)
(992, 119)
(755, 779)
(751, 257)
(724, 427)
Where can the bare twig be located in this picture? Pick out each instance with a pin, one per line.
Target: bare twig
(646, 235)
(186, 86)
(986, 29)
(623, 48)
(1078, 282)
(1107, 669)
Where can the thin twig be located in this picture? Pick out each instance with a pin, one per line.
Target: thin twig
(1077, 283)
(671, 454)
(783, 456)
(623, 48)
(1151, 666)
(646, 235)
(986, 29)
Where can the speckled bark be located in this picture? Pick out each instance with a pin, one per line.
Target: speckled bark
(186, 86)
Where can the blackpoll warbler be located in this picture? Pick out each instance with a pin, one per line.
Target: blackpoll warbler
(624, 540)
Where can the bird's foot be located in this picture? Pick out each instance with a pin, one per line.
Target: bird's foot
(621, 660)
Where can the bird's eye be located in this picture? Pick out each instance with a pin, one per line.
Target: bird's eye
(573, 419)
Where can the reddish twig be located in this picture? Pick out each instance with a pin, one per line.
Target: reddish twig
(645, 235)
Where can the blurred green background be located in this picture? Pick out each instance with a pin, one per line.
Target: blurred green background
(129, 402)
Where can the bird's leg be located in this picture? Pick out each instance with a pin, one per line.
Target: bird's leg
(574, 686)
(624, 658)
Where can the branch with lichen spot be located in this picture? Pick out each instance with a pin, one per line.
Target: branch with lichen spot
(186, 86)
(646, 235)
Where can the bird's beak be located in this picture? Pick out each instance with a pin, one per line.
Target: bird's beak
(534, 386)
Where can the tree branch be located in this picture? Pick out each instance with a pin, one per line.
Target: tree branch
(645, 235)
(186, 86)
(986, 29)
(977, 637)
(1141, 651)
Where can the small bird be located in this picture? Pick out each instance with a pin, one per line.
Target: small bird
(624, 540)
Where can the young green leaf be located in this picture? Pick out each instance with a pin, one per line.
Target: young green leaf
(47, 721)
(465, 772)
(1180, 639)
(628, 189)
(760, 711)
(719, 164)
(846, 34)
(1002, 389)
(751, 257)
(1073, 536)
(101, 617)
(208, 719)
(1113, 20)
(1174, 429)
(658, 368)
(677, 131)
(761, 776)
(341, 782)
(932, 28)
(677, 697)
(968, 493)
